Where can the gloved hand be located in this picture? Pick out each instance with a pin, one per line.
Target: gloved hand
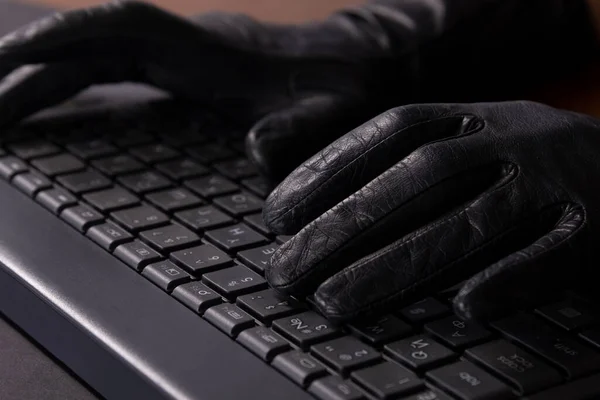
(296, 88)
(502, 195)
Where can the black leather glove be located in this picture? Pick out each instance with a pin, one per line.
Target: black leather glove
(297, 87)
(502, 195)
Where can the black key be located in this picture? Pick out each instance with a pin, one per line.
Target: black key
(574, 358)
(335, 388)
(143, 182)
(281, 239)
(204, 218)
(258, 185)
(182, 169)
(58, 164)
(174, 199)
(458, 333)
(92, 149)
(592, 336)
(256, 221)
(465, 380)
(524, 371)
(305, 329)
(154, 153)
(234, 281)
(268, 305)
(211, 186)
(345, 354)
(85, 181)
(208, 153)
(299, 367)
(236, 169)
(229, 318)
(166, 275)
(387, 380)
(170, 237)
(111, 199)
(108, 235)
(239, 204)
(31, 183)
(82, 217)
(33, 149)
(582, 389)
(131, 138)
(424, 311)
(382, 330)
(137, 254)
(236, 237)
(419, 352)
(11, 166)
(201, 259)
(119, 164)
(197, 296)
(263, 342)
(258, 258)
(429, 394)
(140, 218)
(568, 315)
(55, 200)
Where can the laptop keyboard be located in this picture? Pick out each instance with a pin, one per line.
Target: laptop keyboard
(173, 197)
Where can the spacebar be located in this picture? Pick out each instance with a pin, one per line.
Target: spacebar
(581, 389)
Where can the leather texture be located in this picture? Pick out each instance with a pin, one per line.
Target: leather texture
(296, 88)
(501, 196)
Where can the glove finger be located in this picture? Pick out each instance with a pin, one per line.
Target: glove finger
(431, 182)
(530, 275)
(355, 159)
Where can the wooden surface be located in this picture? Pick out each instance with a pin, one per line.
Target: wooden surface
(579, 93)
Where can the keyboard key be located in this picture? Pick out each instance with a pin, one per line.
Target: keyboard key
(387, 380)
(210, 186)
(305, 329)
(108, 235)
(429, 394)
(143, 182)
(424, 311)
(30, 183)
(345, 354)
(55, 200)
(268, 305)
(582, 389)
(562, 350)
(258, 185)
(140, 218)
(209, 153)
(174, 199)
(335, 388)
(166, 275)
(234, 281)
(458, 333)
(229, 318)
(182, 169)
(154, 153)
(58, 164)
(568, 315)
(111, 199)
(197, 296)
(236, 237)
(382, 330)
(204, 218)
(419, 352)
(11, 166)
(201, 259)
(258, 258)
(263, 342)
(467, 381)
(299, 367)
(239, 204)
(256, 221)
(236, 169)
(119, 164)
(524, 371)
(82, 217)
(33, 149)
(137, 254)
(281, 239)
(91, 149)
(85, 181)
(170, 237)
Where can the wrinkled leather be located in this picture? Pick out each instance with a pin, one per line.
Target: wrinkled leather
(296, 88)
(502, 196)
